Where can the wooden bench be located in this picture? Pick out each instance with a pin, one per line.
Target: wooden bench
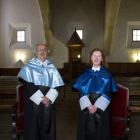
(133, 84)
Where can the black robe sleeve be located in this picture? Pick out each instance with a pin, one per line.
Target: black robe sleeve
(109, 94)
(30, 87)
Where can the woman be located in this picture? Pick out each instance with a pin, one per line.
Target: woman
(96, 86)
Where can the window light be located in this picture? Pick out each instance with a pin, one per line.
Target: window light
(136, 35)
(20, 36)
(80, 33)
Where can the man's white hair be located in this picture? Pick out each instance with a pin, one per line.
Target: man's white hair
(48, 50)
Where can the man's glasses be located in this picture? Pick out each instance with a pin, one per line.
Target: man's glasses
(40, 50)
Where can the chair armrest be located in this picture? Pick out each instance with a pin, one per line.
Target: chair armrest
(14, 111)
(129, 111)
(15, 106)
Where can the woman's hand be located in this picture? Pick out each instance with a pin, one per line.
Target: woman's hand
(92, 109)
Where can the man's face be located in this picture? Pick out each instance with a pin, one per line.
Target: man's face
(41, 52)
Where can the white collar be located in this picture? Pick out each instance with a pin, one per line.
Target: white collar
(96, 69)
(43, 63)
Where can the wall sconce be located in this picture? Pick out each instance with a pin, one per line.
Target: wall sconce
(138, 59)
(20, 57)
(79, 56)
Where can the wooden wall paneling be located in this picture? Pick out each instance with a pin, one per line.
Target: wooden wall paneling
(76, 68)
(9, 71)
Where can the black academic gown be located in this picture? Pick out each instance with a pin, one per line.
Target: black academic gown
(39, 121)
(94, 126)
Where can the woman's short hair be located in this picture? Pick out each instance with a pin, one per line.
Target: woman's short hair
(48, 50)
(103, 62)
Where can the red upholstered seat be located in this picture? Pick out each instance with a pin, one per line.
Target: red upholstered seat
(119, 103)
(19, 123)
(20, 98)
(119, 111)
(117, 127)
(17, 115)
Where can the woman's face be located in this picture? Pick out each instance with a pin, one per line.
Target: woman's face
(96, 58)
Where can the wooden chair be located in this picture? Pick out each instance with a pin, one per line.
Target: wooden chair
(120, 114)
(17, 114)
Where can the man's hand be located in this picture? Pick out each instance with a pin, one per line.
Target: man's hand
(45, 101)
(92, 109)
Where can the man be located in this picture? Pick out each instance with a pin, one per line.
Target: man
(41, 81)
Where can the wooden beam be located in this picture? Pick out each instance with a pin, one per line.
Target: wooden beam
(111, 15)
(46, 15)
